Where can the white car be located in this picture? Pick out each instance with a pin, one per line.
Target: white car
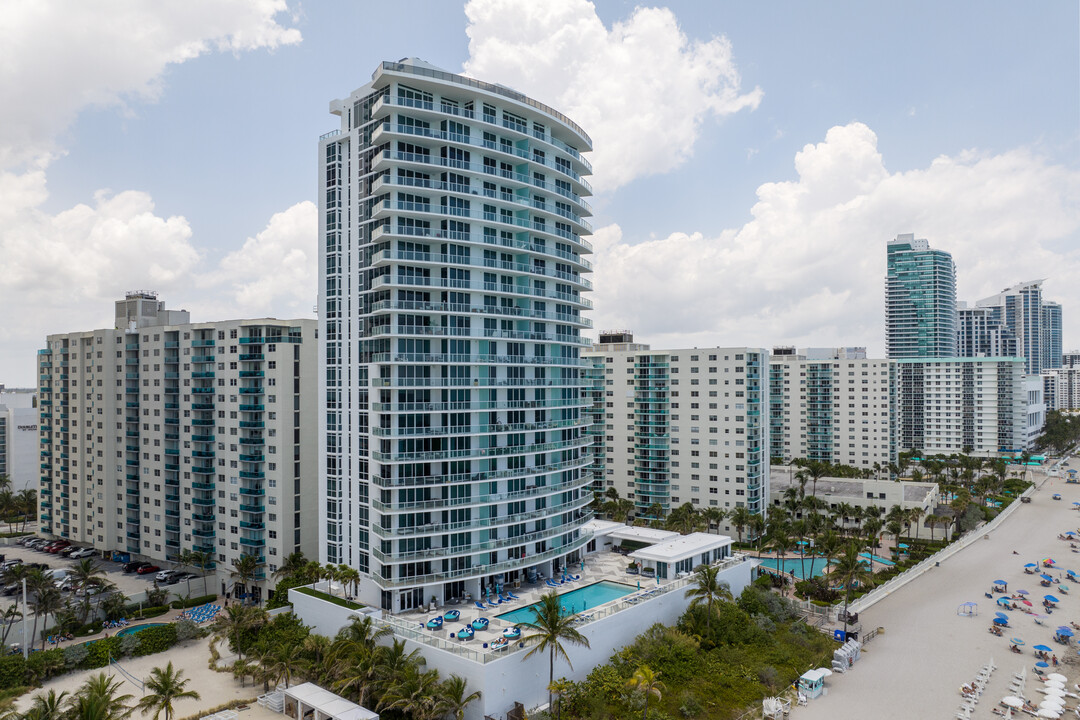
(83, 553)
(164, 575)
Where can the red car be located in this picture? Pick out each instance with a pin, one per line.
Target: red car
(58, 546)
(148, 569)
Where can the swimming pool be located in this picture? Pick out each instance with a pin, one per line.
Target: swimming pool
(138, 628)
(796, 565)
(577, 600)
(876, 558)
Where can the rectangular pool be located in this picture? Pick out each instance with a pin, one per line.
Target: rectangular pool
(575, 601)
(795, 565)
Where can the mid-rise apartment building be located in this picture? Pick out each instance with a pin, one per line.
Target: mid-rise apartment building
(920, 300)
(978, 406)
(678, 426)
(1061, 388)
(832, 405)
(19, 438)
(983, 333)
(453, 272)
(160, 436)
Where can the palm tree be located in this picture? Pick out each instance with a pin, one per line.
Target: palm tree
(551, 629)
(285, 660)
(50, 706)
(233, 621)
(850, 570)
(294, 564)
(739, 519)
(454, 696)
(8, 618)
(196, 559)
(647, 682)
(713, 517)
(28, 502)
(708, 590)
(98, 698)
(415, 693)
(781, 542)
(914, 516)
(86, 575)
(165, 686)
(558, 689)
(47, 601)
(245, 570)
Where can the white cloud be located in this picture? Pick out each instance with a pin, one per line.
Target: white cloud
(274, 272)
(642, 89)
(62, 271)
(61, 57)
(809, 267)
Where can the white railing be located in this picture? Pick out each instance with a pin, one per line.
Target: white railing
(883, 591)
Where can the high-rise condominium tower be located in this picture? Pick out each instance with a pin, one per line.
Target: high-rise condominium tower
(162, 437)
(920, 300)
(452, 242)
(1036, 323)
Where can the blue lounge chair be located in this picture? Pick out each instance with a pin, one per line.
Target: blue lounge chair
(480, 624)
(480, 605)
(512, 596)
(452, 615)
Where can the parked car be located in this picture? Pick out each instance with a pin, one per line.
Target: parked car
(66, 552)
(10, 563)
(135, 566)
(181, 577)
(83, 553)
(165, 575)
(147, 568)
(58, 546)
(25, 539)
(36, 543)
(12, 589)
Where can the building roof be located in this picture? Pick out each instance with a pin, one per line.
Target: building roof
(852, 488)
(643, 534)
(327, 703)
(682, 547)
(601, 528)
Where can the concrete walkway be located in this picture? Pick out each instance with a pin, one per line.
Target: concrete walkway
(916, 667)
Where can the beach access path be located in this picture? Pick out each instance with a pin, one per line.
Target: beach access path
(915, 668)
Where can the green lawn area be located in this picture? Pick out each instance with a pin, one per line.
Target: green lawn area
(329, 598)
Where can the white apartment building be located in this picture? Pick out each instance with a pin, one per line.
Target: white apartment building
(19, 438)
(1061, 388)
(452, 241)
(881, 492)
(160, 435)
(978, 406)
(678, 426)
(832, 405)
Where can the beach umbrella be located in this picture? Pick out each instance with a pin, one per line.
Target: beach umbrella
(1049, 560)
(1016, 641)
(1055, 684)
(1004, 602)
(1012, 701)
(1042, 664)
(1031, 565)
(1044, 576)
(1054, 692)
(1001, 615)
(1042, 648)
(1026, 602)
(1052, 701)
(1048, 713)
(1058, 677)
(1051, 598)
(903, 545)
(1022, 592)
(1000, 582)
(1001, 621)
(1065, 632)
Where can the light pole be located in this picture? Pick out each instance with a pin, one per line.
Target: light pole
(25, 648)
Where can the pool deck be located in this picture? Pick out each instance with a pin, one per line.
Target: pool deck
(602, 566)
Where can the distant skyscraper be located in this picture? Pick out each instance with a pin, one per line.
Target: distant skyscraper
(1020, 308)
(920, 300)
(1051, 334)
(982, 333)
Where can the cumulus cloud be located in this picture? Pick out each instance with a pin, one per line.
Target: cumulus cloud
(641, 89)
(62, 270)
(275, 271)
(61, 57)
(809, 267)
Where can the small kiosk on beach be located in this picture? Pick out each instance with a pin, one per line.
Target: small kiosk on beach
(812, 683)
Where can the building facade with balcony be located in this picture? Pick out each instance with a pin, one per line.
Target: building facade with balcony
(920, 300)
(681, 426)
(977, 406)
(452, 281)
(834, 406)
(161, 436)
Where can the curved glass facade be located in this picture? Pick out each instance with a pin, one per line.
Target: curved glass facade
(453, 271)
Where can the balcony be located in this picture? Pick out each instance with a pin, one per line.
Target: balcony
(252, 391)
(252, 475)
(252, 542)
(258, 492)
(202, 343)
(246, 357)
(252, 373)
(252, 458)
(252, 424)
(252, 525)
(202, 501)
(252, 408)
(258, 509)
(200, 470)
(203, 391)
(201, 485)
(203, 533)
(202, 438)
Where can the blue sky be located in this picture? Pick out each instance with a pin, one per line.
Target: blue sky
(956, 121)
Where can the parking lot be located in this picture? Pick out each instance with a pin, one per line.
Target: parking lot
(128, 583)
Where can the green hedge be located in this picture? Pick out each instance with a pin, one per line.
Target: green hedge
(192, 602)
(133, 611)
(281, 592)
(330, 598)
(156, 639)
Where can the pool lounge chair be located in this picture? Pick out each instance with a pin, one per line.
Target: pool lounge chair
(480, 605)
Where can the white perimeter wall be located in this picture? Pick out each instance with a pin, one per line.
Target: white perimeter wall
(512, 679)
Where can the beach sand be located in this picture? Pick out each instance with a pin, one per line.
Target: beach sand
(914, 669)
